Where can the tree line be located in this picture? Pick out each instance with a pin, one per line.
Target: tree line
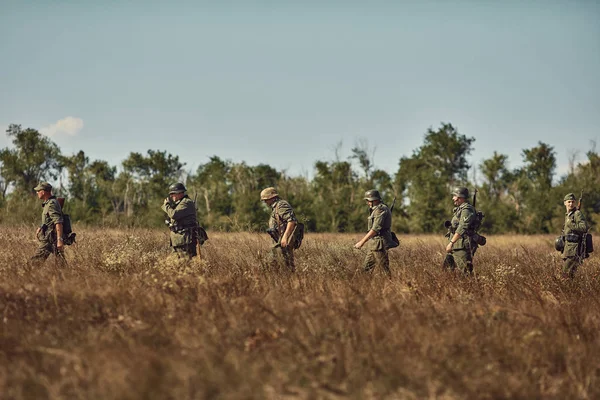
(527, 199)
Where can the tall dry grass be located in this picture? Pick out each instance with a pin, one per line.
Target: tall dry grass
(126, 321)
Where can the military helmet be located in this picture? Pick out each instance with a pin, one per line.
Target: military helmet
(177, 188)
(569, 196)
(461, 191)
(268, 193)
(372, 195)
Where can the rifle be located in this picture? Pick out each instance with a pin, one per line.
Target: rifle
(475, 198)
(393, 204)
(583, 237)
(198, 246)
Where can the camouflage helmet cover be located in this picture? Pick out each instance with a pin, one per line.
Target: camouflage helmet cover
(177, 188)
(373, 194)
(569, 196)
(461, 191)
(268, 193)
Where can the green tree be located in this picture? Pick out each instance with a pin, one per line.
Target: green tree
(425, 179)
(534, 185)
(34, 158)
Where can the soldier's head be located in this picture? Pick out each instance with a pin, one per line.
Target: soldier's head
(460, 194)
(372, 197)
(177, 191)
(570, 202)
(269, 195)
(43, 190)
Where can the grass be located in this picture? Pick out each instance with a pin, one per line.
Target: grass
(125, 320)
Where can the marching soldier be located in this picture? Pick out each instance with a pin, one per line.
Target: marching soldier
(462, 245)
(574, 232)
(282, 224)
(182, 222)
(379, 234)
(50, 232)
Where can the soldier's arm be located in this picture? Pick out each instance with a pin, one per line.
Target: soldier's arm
(578, 222)
(182, 210)
(288, 232)
(465, 220)
(378, 217)
(365, 239)
(285, 212)
(55, 213)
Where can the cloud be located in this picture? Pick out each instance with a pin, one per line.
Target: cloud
(67, 126)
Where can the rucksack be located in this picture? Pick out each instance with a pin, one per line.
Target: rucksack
(68, 234)
(298, 235)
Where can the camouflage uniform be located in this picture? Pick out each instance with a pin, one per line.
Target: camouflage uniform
(465, 247)
(281, 214)
(183, 225)
(51, 215)
(574, 230)
(380, 221)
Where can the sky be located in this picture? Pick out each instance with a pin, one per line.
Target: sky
(288, 83)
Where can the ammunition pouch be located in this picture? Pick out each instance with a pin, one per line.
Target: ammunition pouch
(479, 239)
(69, 239)
(589, 243)
(274, 233)
(395, 241)
(559, 243)
(572, 238)
(202, 235)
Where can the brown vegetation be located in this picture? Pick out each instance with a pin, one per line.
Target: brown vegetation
(126, 321)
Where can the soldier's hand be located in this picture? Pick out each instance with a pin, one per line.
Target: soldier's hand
(60, 245)
(284, 242)
(37, 231)
(449, 247)
(358, 245)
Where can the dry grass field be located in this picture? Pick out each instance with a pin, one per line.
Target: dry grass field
(125, 321)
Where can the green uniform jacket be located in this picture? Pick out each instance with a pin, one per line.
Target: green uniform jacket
(281, 213)
(462, 220)
(51, 215)
(575, 224)
(380, 221)
(183, 221)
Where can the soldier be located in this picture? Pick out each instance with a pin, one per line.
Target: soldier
(461, 246)
(50, 233)
(282, 224)
(574, 231)
(379, 234)
(182, 222)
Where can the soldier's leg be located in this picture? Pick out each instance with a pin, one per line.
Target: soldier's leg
(382, 259)
(369, 262)
(43, 252)
(288, 257)
(570, 267)
(463, 260)
(280, 257)
(449, 262)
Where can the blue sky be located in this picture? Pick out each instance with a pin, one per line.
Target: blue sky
(283, 83)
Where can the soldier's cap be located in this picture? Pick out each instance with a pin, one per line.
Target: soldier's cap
(43, 186)
(268, 193)
(569, 196)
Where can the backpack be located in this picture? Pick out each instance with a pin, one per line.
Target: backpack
(298, 235)
(68, 234)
